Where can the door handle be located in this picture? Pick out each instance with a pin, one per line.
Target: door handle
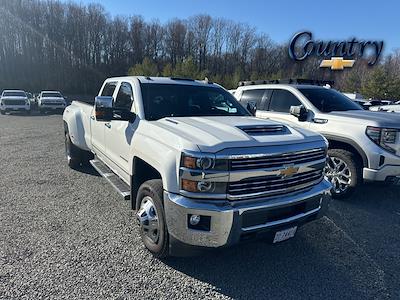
(92, 117)
(108, 125)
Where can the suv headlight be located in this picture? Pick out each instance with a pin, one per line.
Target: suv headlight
(387, 138)
(203, 173)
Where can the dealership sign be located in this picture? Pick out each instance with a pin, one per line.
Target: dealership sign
(336, 55)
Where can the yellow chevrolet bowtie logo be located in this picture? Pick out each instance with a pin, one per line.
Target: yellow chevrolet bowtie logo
(288, 171)
(337, 63)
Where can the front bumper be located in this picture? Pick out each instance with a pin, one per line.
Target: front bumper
(15, 107)
(228, 219)
(51, 106)
(382, 174)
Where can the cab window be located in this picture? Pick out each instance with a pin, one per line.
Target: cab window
(109, 89)
(252, 95)
(125, 96)
(282, 100)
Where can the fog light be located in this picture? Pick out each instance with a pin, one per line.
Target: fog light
(194, 220)
(204, 186)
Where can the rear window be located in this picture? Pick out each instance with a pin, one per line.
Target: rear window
(14, 94)
(282, 100)
(51, 95)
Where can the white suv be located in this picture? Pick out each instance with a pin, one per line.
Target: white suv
(364, 145)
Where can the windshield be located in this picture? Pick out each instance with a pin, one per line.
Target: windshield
(14, 94)
(327, 100)
(176, 100)
(51, 95)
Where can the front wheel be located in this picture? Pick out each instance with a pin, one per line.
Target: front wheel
(343, 170)
(151, 217)
(3, 112)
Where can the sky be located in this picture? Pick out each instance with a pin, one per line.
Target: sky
(327, 20)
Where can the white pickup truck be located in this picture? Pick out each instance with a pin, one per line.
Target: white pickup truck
(51, 101)
(198, 168)
(14, 101)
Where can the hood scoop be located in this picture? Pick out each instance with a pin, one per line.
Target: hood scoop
(265, 129)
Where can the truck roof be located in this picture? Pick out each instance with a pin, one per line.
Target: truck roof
(165, 80)
(50, 92)
(274, 85)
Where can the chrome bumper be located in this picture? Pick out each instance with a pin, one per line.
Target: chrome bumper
(226, 217)
(50, 107)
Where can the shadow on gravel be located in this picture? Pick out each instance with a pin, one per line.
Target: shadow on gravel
(325, 259)
(291, 270)
(89, 170)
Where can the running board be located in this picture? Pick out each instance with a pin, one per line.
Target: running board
(118, 184)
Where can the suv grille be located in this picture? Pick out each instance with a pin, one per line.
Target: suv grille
(274, 184)
(278, 160)
(14, 102)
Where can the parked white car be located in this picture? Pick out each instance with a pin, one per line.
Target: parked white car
(197, 167)
(394, 108)
(51, 101)
(14, 101)
(364, 145)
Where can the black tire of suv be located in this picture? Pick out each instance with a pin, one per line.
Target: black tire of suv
(3, 112)
(355, 168)
(76, 157)
(154, 189)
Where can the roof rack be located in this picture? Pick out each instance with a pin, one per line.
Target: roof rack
(182, 79)
(288, 81)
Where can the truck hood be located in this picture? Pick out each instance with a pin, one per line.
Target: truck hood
(370, 118)
(212, 134)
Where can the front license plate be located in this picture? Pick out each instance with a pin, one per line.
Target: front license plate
(284, 235)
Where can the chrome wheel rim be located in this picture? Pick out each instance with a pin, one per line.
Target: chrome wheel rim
(338, 173)
(148, 219)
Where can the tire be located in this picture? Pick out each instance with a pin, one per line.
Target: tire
(76, 157)
(3, 112)
(151, 216)
(343, 170)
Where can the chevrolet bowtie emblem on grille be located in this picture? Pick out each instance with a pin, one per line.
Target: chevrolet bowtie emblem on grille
(337, 63)
(288, 171)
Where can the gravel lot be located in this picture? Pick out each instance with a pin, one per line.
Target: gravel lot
(67, 234)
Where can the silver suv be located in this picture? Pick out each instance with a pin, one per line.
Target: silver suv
(363, 145)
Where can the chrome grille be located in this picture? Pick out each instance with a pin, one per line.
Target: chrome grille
(51, 103)
(14, 102)
(272, 185)
(279, 160)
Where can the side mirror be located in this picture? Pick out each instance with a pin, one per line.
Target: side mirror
(252, 107)
(300, 112)
(104, 110)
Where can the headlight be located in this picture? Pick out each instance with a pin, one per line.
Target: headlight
(387, 138)
(203, 173)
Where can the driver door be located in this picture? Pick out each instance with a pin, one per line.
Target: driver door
(119, 134)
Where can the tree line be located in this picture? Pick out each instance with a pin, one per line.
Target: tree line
(73, 48)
